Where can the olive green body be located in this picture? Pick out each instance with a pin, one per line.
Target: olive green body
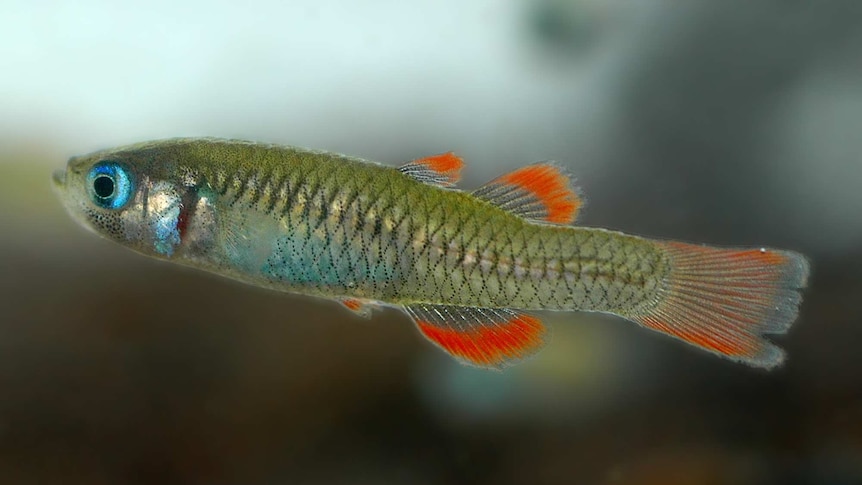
(324, 224)
(329, 225)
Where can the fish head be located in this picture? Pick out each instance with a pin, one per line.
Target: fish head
(136, 196)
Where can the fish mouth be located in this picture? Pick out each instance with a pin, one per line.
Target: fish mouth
(59, 178)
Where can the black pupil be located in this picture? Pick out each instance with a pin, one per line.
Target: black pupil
(104, 186)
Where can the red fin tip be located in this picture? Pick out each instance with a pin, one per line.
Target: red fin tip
(357, 306)
(541, 192)
(447, 164)
(352, 304)
(724, 300)
(495, 339)
(443, 169)
(551, 186)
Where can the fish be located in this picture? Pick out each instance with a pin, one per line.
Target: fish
(470, 268)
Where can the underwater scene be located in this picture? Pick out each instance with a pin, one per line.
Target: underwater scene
(272, 318)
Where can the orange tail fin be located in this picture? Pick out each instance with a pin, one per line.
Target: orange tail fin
(724, 300)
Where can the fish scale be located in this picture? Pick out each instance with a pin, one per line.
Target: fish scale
(465, 266)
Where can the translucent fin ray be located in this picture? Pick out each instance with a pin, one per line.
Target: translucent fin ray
(360, 307)
(489, 338)
(443, 170)
(724, 300)
(540, 192)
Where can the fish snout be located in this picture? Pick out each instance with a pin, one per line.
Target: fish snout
(59, 178)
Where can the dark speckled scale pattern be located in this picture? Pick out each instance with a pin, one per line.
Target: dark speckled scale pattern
(331, 225)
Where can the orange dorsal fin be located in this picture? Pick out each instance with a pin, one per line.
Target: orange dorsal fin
(443, 170)
(541, 192)
(484, 337)
(724, 300)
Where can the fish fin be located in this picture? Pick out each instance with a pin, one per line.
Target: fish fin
(360, 307)
(443, 170)
(724, 300)
(540, 192)
(484, 337)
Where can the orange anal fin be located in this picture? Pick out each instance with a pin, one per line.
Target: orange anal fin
(724, 300)
(489, 338)
(443, 170)
(357, 306)
(540, 192)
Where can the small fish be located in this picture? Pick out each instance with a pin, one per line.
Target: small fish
(467, 267)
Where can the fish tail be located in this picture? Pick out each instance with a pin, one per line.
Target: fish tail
(724, 300)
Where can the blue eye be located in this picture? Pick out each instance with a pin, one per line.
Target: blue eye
(110, 185)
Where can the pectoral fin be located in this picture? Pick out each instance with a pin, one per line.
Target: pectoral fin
(360, 307)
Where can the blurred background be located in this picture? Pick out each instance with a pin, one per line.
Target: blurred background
(732, 123)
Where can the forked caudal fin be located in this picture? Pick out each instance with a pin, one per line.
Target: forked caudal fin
(724, 300)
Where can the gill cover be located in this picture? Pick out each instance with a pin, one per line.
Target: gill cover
(110, 185)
